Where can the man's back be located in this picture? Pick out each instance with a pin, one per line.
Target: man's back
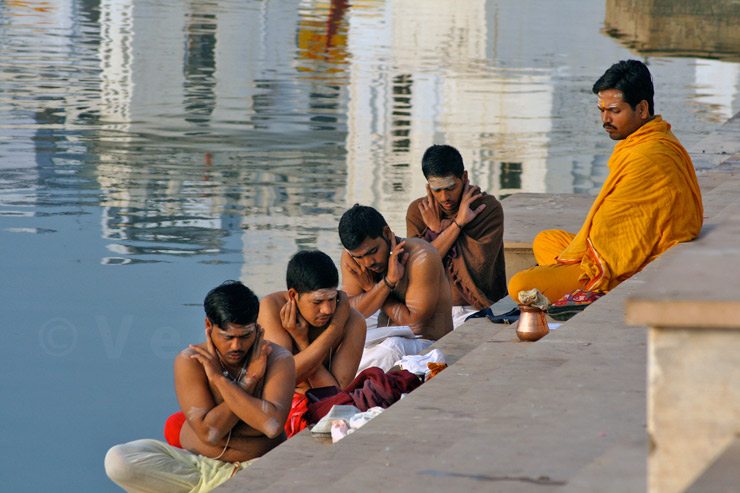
(426, 283)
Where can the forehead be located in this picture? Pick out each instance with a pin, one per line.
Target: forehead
(321, 294)
(366, 246)
(610, 97)
(238, 330)
(442, 182)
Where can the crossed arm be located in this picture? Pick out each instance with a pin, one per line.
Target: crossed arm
(343, 338)
(365, 295)
(196, 374)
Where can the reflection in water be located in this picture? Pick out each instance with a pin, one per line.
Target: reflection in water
(707, 28)
(150, 149)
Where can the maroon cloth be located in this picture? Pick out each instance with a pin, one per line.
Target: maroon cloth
(372, 387)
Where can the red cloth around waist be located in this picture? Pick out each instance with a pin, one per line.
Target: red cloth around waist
(296, 420)
(172, 428)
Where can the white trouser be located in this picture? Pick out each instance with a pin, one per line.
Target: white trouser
(151, 466)
(384, 346)
(460, 313)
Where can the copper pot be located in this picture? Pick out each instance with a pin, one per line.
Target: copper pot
(532, 324)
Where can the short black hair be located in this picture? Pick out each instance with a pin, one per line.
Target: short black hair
(442, 160)
(311, 270)
(231, 302)
(359, 223)
(632, 77)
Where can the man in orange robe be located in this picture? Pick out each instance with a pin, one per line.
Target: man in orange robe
(649, 202)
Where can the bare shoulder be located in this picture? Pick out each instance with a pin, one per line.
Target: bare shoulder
(276, 299)
(356, 320)
(421, 253)
(279, 355)
(185, 355)
(187, 368)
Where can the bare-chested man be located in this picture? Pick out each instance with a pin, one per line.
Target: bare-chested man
(316, 323)
(403, 279)
(235, 391)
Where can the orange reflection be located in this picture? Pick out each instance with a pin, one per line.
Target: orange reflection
(322, 37)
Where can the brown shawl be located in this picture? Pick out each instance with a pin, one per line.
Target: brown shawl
(475, 263)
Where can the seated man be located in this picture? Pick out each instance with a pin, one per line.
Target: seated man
(649, 202)
(314, 321)
(467, 229)
(234, 390)
(403, 280)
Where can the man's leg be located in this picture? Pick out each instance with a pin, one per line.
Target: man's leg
(554, 281)
(460, 313)
(385, 354)
(151, 466)
(548, 244)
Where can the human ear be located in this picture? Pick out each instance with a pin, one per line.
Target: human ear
(644, 109)
(292, 294)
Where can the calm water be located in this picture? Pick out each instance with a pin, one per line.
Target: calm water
(150, 149)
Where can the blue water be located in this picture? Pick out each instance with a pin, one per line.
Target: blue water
(151, 149)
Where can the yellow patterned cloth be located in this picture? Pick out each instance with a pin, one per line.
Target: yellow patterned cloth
(649, 203)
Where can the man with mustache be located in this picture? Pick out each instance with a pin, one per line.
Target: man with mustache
(402, 280)
(234, 391)
(649, 202)
(314, 321)
(466, 226)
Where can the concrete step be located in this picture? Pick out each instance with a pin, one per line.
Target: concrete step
(505, 416)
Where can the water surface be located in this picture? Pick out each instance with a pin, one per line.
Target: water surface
(151, 149)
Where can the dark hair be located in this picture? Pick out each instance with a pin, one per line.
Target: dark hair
(358, 223)
(311, 270)
(442, 160)
(231, 302)
(632, 77)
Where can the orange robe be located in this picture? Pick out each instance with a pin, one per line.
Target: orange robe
(649, 202)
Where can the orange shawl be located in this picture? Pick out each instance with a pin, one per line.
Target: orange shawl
(649, 203)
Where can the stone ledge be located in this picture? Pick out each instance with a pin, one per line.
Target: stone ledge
(524, 217)
(695, 284)
(526, 213)
(722, 475)
(566, 412)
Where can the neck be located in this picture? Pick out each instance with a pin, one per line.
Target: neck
(233, 369)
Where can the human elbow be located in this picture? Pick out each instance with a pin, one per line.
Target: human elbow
(213, 436)
(272, 428)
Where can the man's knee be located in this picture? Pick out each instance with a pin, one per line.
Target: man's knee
(118, 464)
(518, 282)
(548, 244)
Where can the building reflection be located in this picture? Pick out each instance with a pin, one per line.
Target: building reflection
(686, 28)
(460, 99)
(696, 28)
(248, 126)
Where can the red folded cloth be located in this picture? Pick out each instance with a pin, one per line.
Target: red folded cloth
(372, 387)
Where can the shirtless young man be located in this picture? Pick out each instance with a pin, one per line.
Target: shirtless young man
(235, 390)
(314, 321)
(403, 279)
